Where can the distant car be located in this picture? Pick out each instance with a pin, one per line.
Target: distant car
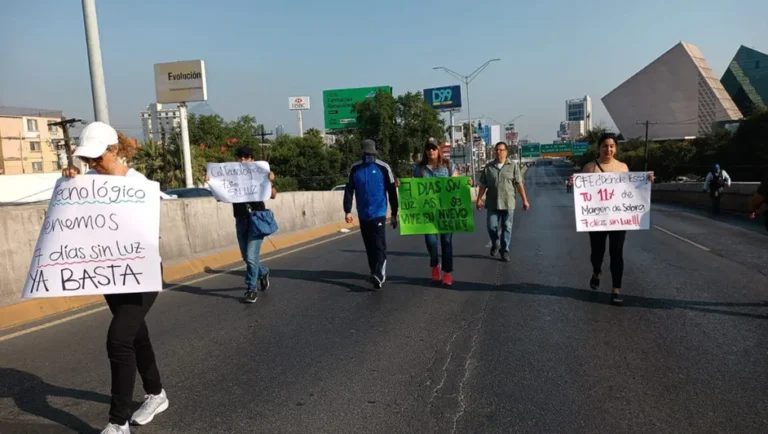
(339, 187)
(183, 193)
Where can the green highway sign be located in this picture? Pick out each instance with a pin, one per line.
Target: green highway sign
(339, 105)
(556, 148)
(530, 150)
(580, 148)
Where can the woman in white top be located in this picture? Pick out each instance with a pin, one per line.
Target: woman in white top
(128, 345)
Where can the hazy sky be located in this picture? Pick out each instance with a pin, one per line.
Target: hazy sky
(259, 53)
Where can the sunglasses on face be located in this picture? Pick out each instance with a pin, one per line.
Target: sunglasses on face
(91, 161)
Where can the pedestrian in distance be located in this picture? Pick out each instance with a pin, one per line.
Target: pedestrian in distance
(433, 165)
(607, 162)
(569, 185)
(499, 179)
(370, 183)
(714, 184)
(249, 241)
(128, 344)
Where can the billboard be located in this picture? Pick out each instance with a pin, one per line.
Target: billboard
(298, 103)
(177, 82)
(443, 98)
(339, 105)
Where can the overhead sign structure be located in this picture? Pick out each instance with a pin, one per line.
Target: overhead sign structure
(178, 82)
(443, 98)
(339, 105)
(556, 150)
(580, 148)
(298, 103)
(531, 150)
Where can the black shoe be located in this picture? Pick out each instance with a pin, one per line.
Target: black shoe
(505, 257)
(251, 296)
(264, 282)
(616, 299)
(594, 282)
(377, 282)
(494, 251)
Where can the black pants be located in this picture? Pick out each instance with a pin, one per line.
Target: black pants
(375, 238)
(129, 348)
(716, 203)
(615, 250)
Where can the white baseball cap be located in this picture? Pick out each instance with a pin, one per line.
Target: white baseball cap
(94, 140)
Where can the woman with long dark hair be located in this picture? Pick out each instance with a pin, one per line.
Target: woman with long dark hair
(606, 162)
(434, 165)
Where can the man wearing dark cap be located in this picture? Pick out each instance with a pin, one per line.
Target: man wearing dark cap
(370, 182)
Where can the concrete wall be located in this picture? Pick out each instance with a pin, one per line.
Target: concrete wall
(735, 199)
(189, 229)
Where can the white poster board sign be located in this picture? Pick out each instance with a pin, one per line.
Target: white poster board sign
(240, 182)
(612, 201)
(100, 236)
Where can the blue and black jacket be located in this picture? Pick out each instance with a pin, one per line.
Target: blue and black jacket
(371, 181)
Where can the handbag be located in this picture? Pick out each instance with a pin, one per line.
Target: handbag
(263, 223)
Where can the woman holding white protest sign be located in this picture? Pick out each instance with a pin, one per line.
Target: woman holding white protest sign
(606, 162)
(252, 219)
(128, 344)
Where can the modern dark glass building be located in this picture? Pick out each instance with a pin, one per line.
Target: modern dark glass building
(746, 80)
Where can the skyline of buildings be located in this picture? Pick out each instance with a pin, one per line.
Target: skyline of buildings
(677, 93)
(27, 143)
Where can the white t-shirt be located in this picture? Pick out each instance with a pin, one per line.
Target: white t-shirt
(132, 173)
(499, 165)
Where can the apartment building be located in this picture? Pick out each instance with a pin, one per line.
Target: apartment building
(27, 143)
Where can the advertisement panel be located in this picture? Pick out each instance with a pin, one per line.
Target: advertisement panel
(339, 105)
(298, 103)
(443, 98)
(183, 81)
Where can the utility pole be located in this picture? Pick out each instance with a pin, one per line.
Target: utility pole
(646, 123)
(263, 133)
(98, 88)
(65, 124)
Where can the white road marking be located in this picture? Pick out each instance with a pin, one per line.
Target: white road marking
(682, 239)
(170, 288)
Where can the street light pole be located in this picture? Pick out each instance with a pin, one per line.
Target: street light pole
(466, 79)
(98, 88)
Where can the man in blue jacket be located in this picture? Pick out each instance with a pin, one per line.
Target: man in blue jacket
(371, 181)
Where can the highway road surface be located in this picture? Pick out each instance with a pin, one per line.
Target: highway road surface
(520, 347)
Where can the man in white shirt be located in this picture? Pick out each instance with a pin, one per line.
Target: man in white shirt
(714, 184)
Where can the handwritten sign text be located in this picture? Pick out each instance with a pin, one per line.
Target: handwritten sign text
(612, 201)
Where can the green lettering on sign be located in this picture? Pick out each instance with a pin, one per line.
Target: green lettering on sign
(435, 206)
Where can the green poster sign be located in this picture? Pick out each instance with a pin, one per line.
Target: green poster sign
(530, 151)
(435, 206)
(339, 105)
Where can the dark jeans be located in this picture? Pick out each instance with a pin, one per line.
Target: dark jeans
(615, 250)
(716, 202)
(446, 247)
(375, 239)
(129, 348)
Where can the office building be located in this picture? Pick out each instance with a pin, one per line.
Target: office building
(571, 130)
(746, 80)
(28, 144)
(279, 130)
(159, 122)
(579, 109)
(678, 91)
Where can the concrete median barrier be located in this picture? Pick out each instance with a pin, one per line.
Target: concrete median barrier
(735, 199)
(195, 233)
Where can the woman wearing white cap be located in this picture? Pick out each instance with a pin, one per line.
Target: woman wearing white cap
(128, 343)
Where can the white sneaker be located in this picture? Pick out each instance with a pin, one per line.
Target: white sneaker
(153, 405)
(117, 429)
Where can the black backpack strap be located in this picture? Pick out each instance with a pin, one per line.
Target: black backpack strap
(599, 166)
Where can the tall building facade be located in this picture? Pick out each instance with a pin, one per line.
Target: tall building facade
(678, 91)
(28, 144)
(279, 130)
(579, 109)
(746, 80)
(571, 130)
(158, 122)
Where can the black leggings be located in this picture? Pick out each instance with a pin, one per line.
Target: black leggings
(129, 349)
(615, 250)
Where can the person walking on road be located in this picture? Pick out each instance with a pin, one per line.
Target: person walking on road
(256, 274)
(128, 343)
(433, 165)
(714, 184)
(370, 183)
(500, 178)
(606, 162)
(569, 185)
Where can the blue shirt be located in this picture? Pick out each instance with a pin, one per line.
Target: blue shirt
(439, 172)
